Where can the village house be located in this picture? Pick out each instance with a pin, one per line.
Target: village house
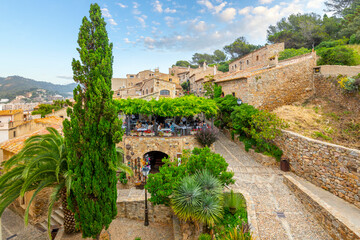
(150, 88)
(9, 120)
(132, 80)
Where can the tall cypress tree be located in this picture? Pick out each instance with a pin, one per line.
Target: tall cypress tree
(93, 130)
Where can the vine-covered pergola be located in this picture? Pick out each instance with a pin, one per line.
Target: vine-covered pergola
(186, 106)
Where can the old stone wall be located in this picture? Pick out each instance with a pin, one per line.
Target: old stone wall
(328, 88)
(336, 227)
(335, 70)
(282, 85)
(136, 147)
(135, 210)
(332, 167)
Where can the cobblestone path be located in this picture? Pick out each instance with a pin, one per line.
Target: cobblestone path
(274, 212)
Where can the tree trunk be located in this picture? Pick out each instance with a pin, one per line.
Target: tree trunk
(69, 216)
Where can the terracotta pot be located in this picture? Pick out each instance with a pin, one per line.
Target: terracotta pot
(284, 165)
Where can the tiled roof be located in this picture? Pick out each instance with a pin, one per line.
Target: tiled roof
(50, 120)
(10, 112)
(16, 144)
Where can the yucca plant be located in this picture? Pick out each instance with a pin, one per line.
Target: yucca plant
(198, 198)
(239, 234)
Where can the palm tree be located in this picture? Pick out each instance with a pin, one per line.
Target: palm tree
(198, 198)
(42, 163)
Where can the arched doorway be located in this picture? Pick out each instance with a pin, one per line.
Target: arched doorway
(155, 160)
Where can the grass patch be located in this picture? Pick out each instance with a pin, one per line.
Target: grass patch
(321, 135)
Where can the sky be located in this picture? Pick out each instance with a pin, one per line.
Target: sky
(38, 38)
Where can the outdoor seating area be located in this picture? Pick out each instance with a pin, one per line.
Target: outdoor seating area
(164, 128)
(166, 117)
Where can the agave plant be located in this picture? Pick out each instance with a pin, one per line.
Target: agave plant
(198, 198)
(233, 201)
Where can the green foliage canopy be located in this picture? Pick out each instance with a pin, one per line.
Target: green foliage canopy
(168, 107)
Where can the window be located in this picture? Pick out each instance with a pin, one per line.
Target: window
(14, 133)
(152, 89)
(257, 58)
(143, 92)
(233, 94)
(170, 80)
(235, 66)
(146, 91)
(164, 92)
(247, 62)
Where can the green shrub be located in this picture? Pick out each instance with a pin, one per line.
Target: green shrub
(234, 201)
(332, 43)
(205, 236)
(242, 117)
(122, 178)
(321, 135)
(206, 137)
(137, 238)
(226, 106)
(355, 38)
(204, 158)
(292, 52)
(339, 55)
(161, 185)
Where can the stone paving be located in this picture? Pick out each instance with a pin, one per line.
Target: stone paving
(13, 227)
(274, 212)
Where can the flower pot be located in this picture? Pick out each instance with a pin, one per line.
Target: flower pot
(284, 165)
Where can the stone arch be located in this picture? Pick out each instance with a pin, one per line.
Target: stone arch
(154, 159)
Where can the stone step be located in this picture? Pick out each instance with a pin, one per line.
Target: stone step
(340, 218)
(58, 219)
(59, 212)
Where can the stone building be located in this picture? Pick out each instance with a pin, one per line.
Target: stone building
(132, 80)
(264, 56)
(9, 121)
(150, 88)
(289, 81)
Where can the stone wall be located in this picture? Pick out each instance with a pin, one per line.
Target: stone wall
(329, 166)
(335, 70)
(136, 210)
(328, 88)
(282, 85)
(136, 147)
(289, 82)
(337, 229)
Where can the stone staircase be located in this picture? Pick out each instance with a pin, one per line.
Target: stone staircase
(57, 220)
(340, 218)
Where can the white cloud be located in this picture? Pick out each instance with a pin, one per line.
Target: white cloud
(200, 26)
(245, 10)
(155, 23)
(107, 15)
(227, 15)
(121, 5)
(157, 6)
(169, 21)
(315, 4)
(141, 21)
(126, 40)
(265, 1)
(168, 10)
(211, 7)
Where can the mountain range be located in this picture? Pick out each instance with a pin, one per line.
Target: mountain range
(12, 86)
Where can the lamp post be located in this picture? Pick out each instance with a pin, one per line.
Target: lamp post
(145, 171)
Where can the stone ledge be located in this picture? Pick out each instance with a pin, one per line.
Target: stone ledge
(339, 218)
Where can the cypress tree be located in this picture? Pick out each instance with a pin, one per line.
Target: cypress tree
(93, 130)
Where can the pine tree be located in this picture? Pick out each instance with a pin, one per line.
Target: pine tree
(93, 130)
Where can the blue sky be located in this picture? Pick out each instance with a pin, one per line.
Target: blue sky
(38, 37)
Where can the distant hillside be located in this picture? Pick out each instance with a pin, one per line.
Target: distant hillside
(12, 86)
